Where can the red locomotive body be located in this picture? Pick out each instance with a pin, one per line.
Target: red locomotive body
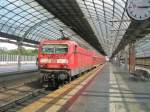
(59, 60)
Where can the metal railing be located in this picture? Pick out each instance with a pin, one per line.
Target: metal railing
(13, 59)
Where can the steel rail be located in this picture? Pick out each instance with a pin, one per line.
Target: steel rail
(9, 74)
(21, 99)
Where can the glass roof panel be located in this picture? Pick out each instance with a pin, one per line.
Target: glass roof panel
(28, 19)
(108, 19)
(3, 3)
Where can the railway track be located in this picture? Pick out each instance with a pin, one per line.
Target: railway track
(15, 88)
(27, 97)
(11, 99)
(16, 98)
(11, 80)
(8, 74)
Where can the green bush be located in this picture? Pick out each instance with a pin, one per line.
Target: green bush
(27, 52)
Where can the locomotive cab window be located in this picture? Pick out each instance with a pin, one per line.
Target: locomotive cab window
(55, 49)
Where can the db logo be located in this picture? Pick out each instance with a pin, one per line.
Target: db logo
(53, 61)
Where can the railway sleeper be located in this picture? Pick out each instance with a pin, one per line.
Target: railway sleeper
(20, 100)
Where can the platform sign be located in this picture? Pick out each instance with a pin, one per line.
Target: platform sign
(138, 9)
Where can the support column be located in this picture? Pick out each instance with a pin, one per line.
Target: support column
(19, 54)
(118, 60)
(132, 60)
(126, 60)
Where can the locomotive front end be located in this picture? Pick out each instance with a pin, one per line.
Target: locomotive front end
(53, 64)
(54, 57)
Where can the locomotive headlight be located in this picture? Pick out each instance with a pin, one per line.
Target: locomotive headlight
(45, 60)
(62, 60)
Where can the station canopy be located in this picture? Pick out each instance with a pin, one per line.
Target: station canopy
(108, 19)
(29, 21)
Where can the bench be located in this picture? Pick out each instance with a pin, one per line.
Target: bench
(141, 74)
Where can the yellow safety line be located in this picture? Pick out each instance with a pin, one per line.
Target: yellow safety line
(58, 105)
(43, 101)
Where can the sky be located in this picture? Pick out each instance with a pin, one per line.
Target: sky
(11, 46)
(8, 46)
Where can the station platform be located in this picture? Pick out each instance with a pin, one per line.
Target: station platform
(111, 89)
(14, 68)
(114, 91)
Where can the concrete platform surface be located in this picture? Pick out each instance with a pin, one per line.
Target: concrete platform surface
(114, 91)
(14, 68)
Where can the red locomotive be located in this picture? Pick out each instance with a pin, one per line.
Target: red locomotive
(60, 60)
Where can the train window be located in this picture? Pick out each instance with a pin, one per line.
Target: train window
(55, 49)
(48, 50)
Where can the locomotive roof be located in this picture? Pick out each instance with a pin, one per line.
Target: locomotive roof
(61, 41)
(55, 41)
